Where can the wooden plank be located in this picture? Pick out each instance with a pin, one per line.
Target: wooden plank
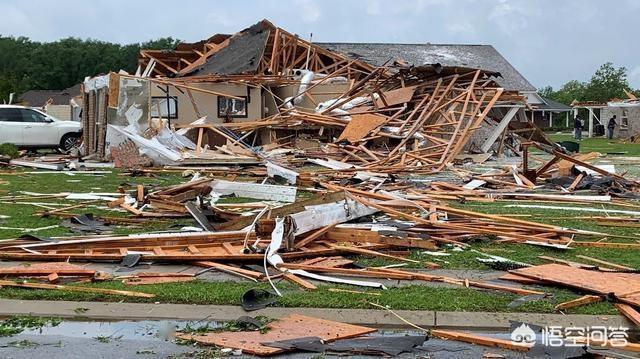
(299, 281)
(53, 278)
(576, 182)
(354, 235)
(584, 300)
(140, 193)
(481, 340)
(605, 263)
(129, 208)
(313, 236)
(43, 271)
(373, 253)
(630, 312)
(9, 283)
(230, 269)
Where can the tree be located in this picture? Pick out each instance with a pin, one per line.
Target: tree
(546, 91)
(30, 65)
(607, 83)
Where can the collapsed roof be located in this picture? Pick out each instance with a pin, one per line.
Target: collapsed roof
(264, 49)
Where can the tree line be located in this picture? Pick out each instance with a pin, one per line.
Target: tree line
(607, 83)
(32, 65)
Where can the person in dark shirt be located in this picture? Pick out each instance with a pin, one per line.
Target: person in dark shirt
(577, 129)
(611, 126)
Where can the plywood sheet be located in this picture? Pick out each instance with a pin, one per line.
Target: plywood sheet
(360, 126)
(290, 327)
(625, 286)
(395, 97)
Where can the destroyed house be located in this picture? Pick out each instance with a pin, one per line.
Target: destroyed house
(264, 85)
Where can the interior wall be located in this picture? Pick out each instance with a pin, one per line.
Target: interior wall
(319, 93)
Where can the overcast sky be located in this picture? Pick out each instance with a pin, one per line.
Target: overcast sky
(548, 41)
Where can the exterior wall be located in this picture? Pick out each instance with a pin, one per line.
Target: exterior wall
(625, 128)
(208, 104)
(61, 112)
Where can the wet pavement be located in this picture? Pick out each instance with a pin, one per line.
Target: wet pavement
(153, 339)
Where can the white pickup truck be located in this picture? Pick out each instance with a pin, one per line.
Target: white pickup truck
(30, 128)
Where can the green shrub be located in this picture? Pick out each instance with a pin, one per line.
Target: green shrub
(9, 150)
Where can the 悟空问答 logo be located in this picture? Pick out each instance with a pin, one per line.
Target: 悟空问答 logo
(523, 334)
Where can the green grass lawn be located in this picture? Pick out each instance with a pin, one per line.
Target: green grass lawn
(411, 297)
(22, 215)
(600, 144)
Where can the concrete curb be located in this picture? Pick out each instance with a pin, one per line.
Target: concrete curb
(375, 318)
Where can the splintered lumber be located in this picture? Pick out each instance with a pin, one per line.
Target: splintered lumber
(315, 235)
(373, 253)
(368, 236)
(606, 245)
(126, 293)
(584, 300)
(293, 326)
(605, 263)
(25, 272)
(481, 340)
(140, 193)
(523, 280)
(630, 312)
(596, 342)
(339, 290)
(44, 269)
(299, 281)
(456, 281)
(142, 280)
(231, 270)
(330, 262)
(53, 278)
(622, 285)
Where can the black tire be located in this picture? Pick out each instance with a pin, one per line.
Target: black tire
(69, 142)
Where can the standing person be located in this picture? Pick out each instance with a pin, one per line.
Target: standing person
(577, 129)
(611, 125)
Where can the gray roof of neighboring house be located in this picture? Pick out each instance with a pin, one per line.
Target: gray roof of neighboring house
(484, 57)
(38, 98)
(553, 105)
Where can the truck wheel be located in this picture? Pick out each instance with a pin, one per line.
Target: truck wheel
(69, 142)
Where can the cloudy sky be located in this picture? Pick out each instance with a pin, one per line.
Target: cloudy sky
(548, 41)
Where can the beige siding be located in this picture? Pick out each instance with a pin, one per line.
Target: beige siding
(207, 104)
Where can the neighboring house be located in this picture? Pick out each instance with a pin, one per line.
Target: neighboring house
(543, 114)
(627, 116)
(484, 57)
(59, 104)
